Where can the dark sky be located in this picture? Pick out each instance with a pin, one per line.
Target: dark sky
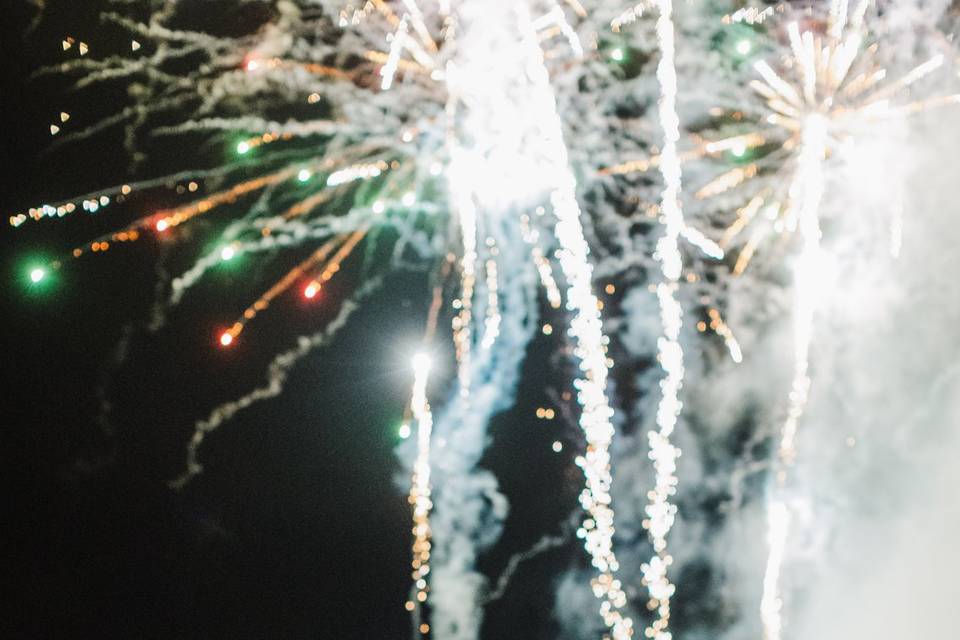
(296, 529)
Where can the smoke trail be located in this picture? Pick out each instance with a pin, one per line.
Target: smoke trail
(277, 374)
(871, 512)
(468, 509)
(887, 395)
(509, 156)
(807, 192)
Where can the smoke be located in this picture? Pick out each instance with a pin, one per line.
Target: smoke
(277, 374)
(884, 564)
(869, 553)
(469, 511)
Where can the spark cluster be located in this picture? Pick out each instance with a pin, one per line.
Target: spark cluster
(438, 123)
(660, 511)
(419, 497)
(590, 346)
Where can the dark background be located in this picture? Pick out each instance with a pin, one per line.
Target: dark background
(297, 527)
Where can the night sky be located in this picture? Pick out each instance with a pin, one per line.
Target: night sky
(298, 527)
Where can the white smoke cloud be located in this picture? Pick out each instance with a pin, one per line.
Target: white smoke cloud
(869, 554)
(885, 564)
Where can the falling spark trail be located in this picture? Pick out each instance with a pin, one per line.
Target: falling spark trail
(420, 488)
(590, 342)
(491, 327)
(277, 374)
(806, 192)
(778, 524)
(460, 187)
(661, 512)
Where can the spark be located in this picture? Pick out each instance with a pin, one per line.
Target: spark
(331, 267)
(660, 511)
(628, 16)
(749, 15)
(459, 184)
(356, 172)
(723, 330)
(778, 525)
(586, 329)
(419, 497)
(544, 270)
(492, 322)
(807, 192)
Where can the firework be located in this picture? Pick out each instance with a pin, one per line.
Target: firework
(422, 105)
(661, 512)
(420, 487)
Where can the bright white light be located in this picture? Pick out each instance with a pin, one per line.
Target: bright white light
(354, 172)
(304, 175)
(617, 54)
(408, 199)
(421, 364)
(806, 193)
(492, 324)
(744, 46)
(543, 131)
(420, 486)
(778, 525)
(227, 253)
(660, 511)
(38, 274)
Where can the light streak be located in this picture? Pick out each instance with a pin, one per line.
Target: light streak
(462, 323)
(333, 265)
(729, 340)
(660, 511)
(544, 270)
(628, 16)
(778, 526)
(419, 497)
(586, 329)
(287, 281)
(356, 172)
(389, 69)
(491, 327)
(806, 193)
(749, 15)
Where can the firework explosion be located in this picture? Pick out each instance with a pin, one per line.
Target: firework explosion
(436, 134)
